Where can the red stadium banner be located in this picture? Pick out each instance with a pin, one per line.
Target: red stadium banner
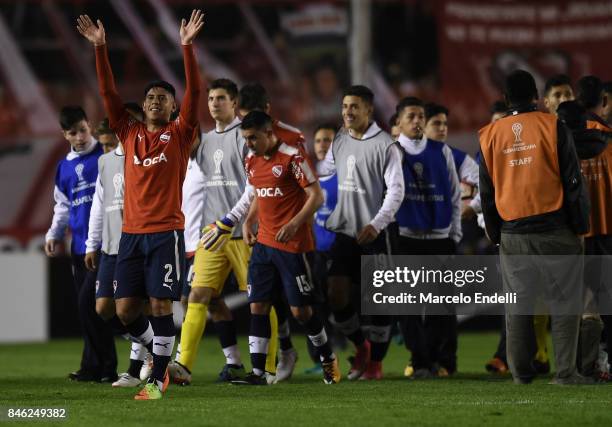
(480, 42)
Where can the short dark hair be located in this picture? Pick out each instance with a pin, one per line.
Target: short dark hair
(432, 109)
(589, 91)
(229, 86)
(161, 84)
(71, 115)
(257, 120)
(607, 87)
(103, 128)
(573, 114)
(499, 106)
(520, 87)
(326, 126)
(558, 80)
(253, 96)
(360, 91)
(409, 101)
(393, 120)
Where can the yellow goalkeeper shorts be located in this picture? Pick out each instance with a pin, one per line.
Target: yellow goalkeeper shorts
(212, 268)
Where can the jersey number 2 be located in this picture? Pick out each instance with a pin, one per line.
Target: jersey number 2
(167, 278)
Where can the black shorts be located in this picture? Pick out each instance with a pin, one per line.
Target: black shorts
(272, 270)
(105, 281)
(345, 255)
(151, 264)
(186, 289)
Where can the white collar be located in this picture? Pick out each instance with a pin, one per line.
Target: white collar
(88, 149)
(412, 146)
(119, 150)
(234, 123)
(372, 130)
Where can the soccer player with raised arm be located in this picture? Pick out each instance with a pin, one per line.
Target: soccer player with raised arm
(151, 254)
(288, 195)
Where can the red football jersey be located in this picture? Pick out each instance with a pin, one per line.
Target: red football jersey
(155, 167)
(155, 162)
(288, 134)
(279, 184)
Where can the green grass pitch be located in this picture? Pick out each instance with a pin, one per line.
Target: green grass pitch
(34, 375)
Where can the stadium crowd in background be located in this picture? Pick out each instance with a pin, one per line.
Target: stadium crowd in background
(291, 232)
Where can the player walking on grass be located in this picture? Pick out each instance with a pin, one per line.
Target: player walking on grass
(220, 157)
(152, 250)
(288, 194)
(370, 191)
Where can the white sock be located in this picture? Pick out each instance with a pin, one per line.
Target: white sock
(146, 338)
(232, 355)
(319, 339)
(139, 351)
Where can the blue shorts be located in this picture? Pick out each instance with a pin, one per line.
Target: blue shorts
(189, 278)
(272, 270)
(151, 264)
(106, 276)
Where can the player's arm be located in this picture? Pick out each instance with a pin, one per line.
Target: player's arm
(106, 82)
(394, 181)
(215, 235)
(304, 175)
(327, 166)
(300, 141)
(94, 232)
(195, 145)
(188, 32)
(61, 215)
(455, 232)
(248, 235)
(314, 201)
(242, 208)
(469, 171)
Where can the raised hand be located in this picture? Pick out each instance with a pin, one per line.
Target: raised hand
(191, 29)
(89, 30)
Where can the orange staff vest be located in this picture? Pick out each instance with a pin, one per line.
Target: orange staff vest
(520, 152)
